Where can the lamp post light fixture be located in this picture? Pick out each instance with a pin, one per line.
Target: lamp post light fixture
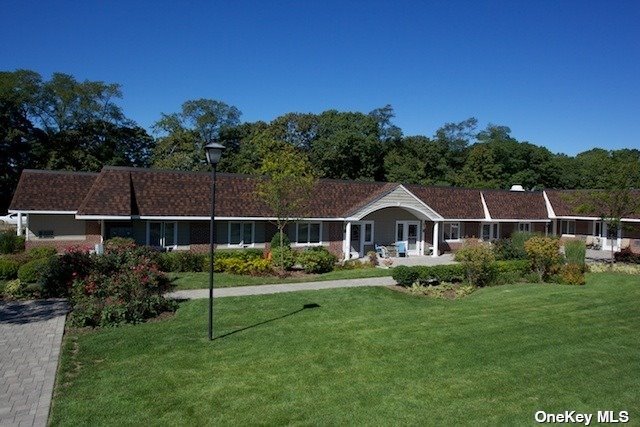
(213, 151)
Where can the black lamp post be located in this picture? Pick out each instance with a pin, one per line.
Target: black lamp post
(213, 151)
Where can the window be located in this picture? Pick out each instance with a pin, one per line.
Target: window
(524, 226)
(598, 229)
(368, 233)
(489, 231)
(568, 227)
(451, 231)
(162, 234)
(308, 233)
(241, 233)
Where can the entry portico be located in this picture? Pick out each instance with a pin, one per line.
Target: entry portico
(396, 216)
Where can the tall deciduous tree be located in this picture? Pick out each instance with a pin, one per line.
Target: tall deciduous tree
(287, 184)
(480, 169)
(183, 135)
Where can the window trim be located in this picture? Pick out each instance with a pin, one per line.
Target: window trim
(449, 224)
(162, 225)
(493, 226)
(364, 232)
(528, 224)
(307, 243)
(241, 244)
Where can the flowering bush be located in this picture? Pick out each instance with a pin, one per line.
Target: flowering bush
(572, 274)
(544, 253)
(59, 274)
(123, 285)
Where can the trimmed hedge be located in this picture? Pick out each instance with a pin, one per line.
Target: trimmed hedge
(317, 260)
(42, 252)
(181, 261)
(32, 271)
(520, 266)
(406, 276)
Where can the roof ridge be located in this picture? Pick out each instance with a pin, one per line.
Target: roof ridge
(59, 172)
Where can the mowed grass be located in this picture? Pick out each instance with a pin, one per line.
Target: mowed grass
(200, 280)
(364, 356)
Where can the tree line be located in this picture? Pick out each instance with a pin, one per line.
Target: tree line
(66, 124)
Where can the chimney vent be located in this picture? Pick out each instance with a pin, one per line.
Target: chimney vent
(517, 187)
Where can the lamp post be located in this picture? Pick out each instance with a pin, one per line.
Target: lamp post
(213, 151)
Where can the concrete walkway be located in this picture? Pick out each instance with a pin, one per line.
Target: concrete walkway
(285, 287)
(30, 338)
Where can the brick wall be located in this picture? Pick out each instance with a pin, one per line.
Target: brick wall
(335, 238)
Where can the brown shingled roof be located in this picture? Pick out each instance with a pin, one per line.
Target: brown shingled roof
(149, 192)
(572, 203)
(451, 202)
(40, 190)
(504, 204)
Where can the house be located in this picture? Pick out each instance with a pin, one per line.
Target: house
(171, 209)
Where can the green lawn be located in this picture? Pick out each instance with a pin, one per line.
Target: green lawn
(364, 356)
(225, 280)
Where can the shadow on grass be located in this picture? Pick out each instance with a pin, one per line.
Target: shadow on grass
(304, 307)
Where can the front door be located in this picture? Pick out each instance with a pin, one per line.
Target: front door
(356, 242)
(408, 232)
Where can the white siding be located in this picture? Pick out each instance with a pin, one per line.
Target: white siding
(399, 197)
(64, 227)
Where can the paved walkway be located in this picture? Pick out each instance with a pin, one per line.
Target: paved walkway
(285, 287)
(30, 338)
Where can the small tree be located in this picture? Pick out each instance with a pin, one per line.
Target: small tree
(286, 186)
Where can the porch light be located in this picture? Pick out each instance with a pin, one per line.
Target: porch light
(213, 151)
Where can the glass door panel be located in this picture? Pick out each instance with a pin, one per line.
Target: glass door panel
(412, 237)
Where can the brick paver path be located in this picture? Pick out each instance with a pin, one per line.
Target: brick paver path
(30, 338)
(285, 287)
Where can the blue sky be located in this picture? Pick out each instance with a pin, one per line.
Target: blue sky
(563, 74)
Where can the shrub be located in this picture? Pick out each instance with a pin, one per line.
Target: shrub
(275, 240)
(10, 243)
(123, 286)
(373, 258)
(8, 269)
(444, 291)
(405, 276)
(283, 258)
(444, 273)
(32, 271)
(13, 289)
(572, 274)
(477, 261)
(60, 272)
(544, 253)
(42, 252)
(240, 255)
(181, 261)
(512, 248)
(615, 268)
(575, 252)
(352, 264)
(317, 260)
(626, 255)
(518, 266)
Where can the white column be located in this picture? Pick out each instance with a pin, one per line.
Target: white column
(347, 242)
(19, 226)
(102, 231)
(436, 239)
(555, 227)
(26, 228)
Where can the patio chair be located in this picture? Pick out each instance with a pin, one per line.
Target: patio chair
(381, 251)
(402, 249)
